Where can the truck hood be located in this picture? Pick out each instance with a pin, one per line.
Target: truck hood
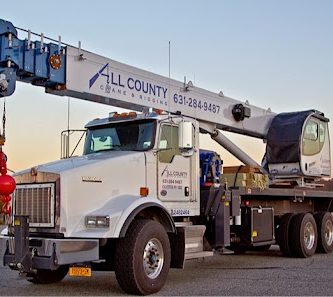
(75, 162)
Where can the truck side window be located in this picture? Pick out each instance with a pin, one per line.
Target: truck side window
(322, 132)
(311, 139)
(168, 143)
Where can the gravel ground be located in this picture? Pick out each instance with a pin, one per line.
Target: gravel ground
(256, 274)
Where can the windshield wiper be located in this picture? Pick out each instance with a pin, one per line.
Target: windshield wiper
(119, 147)
(113, 148)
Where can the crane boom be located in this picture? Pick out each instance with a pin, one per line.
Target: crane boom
(69, 71)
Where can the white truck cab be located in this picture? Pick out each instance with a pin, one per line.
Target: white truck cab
(133, 166)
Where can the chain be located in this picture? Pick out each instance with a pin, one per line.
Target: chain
(3, 134)
(6, 199)
(4, 119)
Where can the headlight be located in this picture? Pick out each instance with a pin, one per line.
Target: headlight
(97, 222)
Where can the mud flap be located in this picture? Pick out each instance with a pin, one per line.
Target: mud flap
(22, 255)
(18, 257)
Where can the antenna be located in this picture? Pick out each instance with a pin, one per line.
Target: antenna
(68, 125)
(169, 60)
(169, 77)
(68, 112)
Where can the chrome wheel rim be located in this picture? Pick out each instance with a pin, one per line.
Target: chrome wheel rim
(328, 231)
(153, 258)
(309, 235)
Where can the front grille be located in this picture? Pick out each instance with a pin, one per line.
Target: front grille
(37, 202)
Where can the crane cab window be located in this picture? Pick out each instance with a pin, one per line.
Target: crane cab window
(313, 137)
(168, 144)
(322, 133)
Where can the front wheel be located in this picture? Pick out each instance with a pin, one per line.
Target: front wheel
(142, 259)
(261, 248)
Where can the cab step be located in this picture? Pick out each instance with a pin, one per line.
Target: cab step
(197, 255)
(194, 244)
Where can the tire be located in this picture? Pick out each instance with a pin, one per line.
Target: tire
(238, 249)
(303, 235)
(261, 248)
(45, 276)
(324, 222)
(142, 258)
(283, 234)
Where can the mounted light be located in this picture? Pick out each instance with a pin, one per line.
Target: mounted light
(240, 112)
(144, 191)
(158, 111)
(33, 171)
(131, 114)
(97, 221)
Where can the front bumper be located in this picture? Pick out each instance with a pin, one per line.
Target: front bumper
(27, 254)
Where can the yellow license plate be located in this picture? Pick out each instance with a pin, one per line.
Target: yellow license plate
(80, 271)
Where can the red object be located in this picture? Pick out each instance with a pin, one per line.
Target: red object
(7, 185)
(3, 163)
(6, 208)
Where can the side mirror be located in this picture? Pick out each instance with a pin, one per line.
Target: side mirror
(185, 136)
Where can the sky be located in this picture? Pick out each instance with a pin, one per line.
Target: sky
(275, 54)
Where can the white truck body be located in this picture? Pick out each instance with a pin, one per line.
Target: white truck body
(144, 197)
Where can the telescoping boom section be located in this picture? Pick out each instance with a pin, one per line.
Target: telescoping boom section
(69, 71)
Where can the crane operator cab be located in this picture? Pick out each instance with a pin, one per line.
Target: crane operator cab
(298, 146)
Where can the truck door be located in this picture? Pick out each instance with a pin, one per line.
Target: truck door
(174, 170)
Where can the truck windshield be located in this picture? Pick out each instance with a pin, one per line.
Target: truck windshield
(121, 136)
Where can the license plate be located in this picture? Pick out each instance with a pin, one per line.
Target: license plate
(80, 271)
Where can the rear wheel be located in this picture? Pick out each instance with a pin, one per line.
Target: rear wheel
(46, 276)
(143, 258)
(283, 234)
(238, 249)
(303, 235)
(324, 222)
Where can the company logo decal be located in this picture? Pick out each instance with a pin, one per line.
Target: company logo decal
(97, 75)
(109, 82)
(91, 179)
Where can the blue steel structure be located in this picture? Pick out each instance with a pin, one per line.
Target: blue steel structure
(210, 166)
(35, 62)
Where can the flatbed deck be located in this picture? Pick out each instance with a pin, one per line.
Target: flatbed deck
(284, 192)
